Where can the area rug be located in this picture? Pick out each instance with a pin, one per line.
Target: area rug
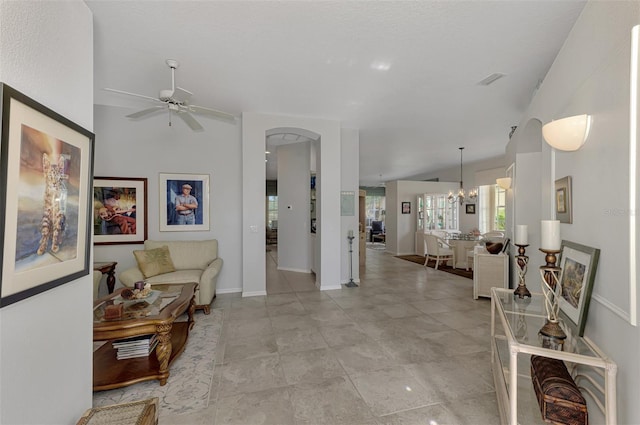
(419, 259)
(189, 384)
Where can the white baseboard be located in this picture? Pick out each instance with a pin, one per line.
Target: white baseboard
(228, 291)
(287, 269)
(254, 294)
(330, 287)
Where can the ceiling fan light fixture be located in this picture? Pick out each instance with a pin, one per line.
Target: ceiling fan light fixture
(176, 100)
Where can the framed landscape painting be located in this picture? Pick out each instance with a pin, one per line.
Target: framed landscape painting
(119, 210)
(579, 264)
(184, 202)
(563, 201)
(46, 162)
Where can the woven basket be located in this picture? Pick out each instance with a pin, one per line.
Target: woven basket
(559, 398)
(143, 412)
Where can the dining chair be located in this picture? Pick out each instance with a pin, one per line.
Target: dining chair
(437, 249)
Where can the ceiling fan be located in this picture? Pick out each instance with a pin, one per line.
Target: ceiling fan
(176, 100)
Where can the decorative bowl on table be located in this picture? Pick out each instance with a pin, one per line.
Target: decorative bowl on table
(135, 294)
(494, 247)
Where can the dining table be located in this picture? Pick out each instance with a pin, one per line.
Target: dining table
(461, 243)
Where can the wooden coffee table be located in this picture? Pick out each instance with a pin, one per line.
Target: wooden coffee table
(141, 318)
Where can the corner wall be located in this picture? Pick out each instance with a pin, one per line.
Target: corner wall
(145, 148)
(591, 75)
(254, 128)
(46, 351)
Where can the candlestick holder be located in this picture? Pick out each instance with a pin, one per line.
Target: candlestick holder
(351, 283)
(521, 261)
(520, 328)
(552, 290)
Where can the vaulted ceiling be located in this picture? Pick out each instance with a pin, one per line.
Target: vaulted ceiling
(406, 73)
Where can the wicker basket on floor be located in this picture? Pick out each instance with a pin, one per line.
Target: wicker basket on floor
(143, 412)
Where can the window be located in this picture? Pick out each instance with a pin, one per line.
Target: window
(492, 200)
(499, 215)
(272, 212)
(375, 208)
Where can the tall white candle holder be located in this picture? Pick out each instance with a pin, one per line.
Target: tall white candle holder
(521, 261)
(552, 291)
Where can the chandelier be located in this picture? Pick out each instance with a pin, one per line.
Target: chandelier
(461, 196)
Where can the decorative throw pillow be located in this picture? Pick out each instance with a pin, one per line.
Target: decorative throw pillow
(153, 262)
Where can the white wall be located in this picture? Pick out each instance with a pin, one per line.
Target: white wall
(591, 75)
(46, 52)
(293, 207)
(328, 180)
(148, 147)
(401, 228)
(350, 166)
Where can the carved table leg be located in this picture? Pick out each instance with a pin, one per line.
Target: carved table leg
(163, 351)
(190, 311)
(111, 279)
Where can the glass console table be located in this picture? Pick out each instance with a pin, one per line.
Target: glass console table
(514, 338)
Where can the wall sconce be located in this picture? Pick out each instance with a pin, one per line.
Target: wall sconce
(504, 182)
(567, 134)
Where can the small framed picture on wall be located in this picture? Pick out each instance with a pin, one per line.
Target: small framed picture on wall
(470, 208)
(406, 208)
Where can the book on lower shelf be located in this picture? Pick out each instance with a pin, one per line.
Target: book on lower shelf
(139, 346)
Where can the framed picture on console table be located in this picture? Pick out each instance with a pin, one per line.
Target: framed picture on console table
(184, 202)
(46, 166)
(119, 210)
(579, 264)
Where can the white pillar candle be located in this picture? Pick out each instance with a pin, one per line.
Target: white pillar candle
(522, 234)
(350, 233)
(550, 235)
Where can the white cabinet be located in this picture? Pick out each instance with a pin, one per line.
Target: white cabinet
(438, 213)
(489, 270)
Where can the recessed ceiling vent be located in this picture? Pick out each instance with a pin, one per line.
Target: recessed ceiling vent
(492, 78)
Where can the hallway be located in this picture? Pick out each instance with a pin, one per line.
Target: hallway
(408, 346)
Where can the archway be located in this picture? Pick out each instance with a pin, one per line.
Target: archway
(291, 167)
(254, 131)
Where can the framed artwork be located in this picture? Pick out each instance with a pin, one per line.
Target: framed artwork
(46, 163)
(579, 264)
(563, 200)
(184, 202)
(470, 208)
(406, 208)
(119, 210)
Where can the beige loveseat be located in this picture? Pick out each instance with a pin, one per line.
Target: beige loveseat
(194, 261)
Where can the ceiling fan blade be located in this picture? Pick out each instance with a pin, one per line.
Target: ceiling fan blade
(181, 95)
(141, 96)
(145, 112)
(212, 112)
(191, 122)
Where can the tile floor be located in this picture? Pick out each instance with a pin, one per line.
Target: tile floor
(408, 346)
